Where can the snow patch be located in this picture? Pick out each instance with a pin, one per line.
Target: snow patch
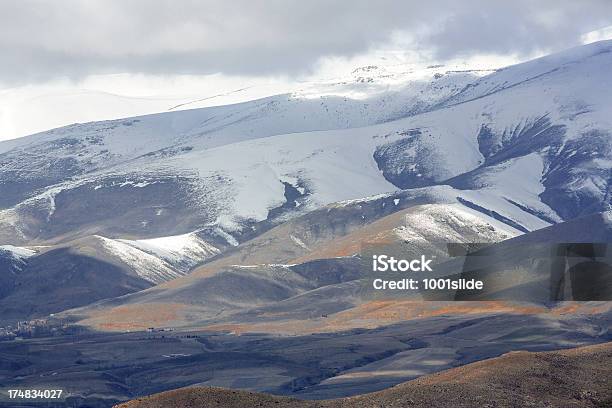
(445, 223)
(227, 237)
(149, 267)
(18, 252)
(299, 242)
(180, 251)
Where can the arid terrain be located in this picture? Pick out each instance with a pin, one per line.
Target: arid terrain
(580, 377)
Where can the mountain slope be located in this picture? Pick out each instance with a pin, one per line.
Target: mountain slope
(532, 267)
(79, 272)
(240, 279)
(575, 377)
(12, 261)
(290, 179)
(208, 297)
(228, 169)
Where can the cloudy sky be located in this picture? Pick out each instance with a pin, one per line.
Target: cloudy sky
(165, 50)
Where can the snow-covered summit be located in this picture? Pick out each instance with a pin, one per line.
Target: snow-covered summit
(230, 168)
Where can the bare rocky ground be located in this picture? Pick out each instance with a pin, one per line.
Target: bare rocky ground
(580, 377)
(102, 369)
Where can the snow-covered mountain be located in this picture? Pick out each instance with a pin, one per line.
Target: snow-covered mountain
(530, 143)
(526, 147)
(27, 110)
(175, 157)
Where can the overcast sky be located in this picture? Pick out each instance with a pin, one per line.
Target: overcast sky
(45, 41)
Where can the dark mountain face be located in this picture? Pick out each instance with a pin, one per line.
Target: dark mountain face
(573, 166)
(10, 267)
(397, 162)
(61, 279)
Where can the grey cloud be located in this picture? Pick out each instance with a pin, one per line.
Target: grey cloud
(40, 40)
(521, 27)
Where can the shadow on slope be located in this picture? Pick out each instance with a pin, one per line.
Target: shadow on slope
(577, 377)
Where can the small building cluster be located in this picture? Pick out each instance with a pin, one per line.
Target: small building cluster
(30, 328)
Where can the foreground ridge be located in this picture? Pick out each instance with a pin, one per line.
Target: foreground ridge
(578, 377)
